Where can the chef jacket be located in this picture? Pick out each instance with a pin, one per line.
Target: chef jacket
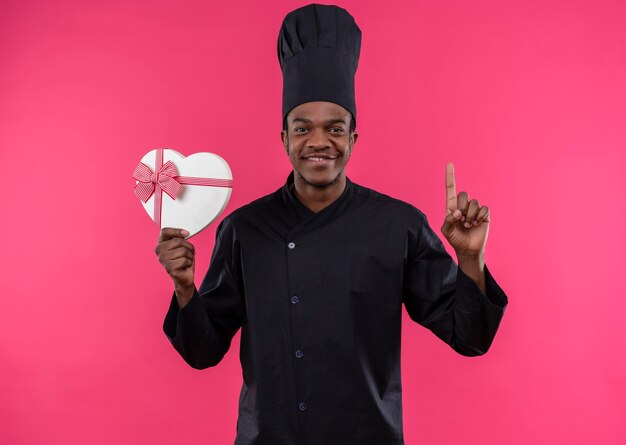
(318, 297)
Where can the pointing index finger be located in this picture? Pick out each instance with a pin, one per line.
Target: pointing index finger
(450, 189)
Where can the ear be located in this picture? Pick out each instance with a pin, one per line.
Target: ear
(351, 141)
(353, 137)
(285, 140)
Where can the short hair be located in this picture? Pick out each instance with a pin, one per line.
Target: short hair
(352, 124)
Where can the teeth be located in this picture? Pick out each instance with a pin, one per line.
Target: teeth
(315, 158)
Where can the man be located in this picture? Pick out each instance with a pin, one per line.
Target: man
(316, 273)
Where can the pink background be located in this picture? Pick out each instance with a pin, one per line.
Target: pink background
(528, 98)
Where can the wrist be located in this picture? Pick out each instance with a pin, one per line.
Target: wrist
(184, 294)
(474, 267)
(471, 257)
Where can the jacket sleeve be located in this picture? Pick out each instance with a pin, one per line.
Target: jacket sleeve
(202, 331)
(440, 297)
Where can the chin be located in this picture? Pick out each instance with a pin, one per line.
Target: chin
(320, 182)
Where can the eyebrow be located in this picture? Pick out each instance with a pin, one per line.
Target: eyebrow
(328, 122)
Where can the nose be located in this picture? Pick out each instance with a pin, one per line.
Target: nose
(318, 139)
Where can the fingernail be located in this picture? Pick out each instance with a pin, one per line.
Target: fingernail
(467, 225)
(475, 223)
(184, 233)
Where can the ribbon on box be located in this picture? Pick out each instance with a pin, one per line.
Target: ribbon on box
(165, 178)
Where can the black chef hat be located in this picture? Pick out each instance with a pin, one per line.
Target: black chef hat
(318, 52)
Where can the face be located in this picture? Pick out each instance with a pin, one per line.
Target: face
(319, 143)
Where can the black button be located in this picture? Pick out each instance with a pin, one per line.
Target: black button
(302, 406)
(299, 353)
(295, 299)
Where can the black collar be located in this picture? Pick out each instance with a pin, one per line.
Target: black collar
(305, 214)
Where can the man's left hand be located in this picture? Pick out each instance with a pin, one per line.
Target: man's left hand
(466, 224)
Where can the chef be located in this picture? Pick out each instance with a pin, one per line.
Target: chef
(316, 274)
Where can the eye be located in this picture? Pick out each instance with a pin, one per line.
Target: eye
(336, 130)
(297, 129)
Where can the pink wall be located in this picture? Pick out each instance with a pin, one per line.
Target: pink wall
(528, 98)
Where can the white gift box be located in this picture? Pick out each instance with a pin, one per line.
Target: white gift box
(183, 192)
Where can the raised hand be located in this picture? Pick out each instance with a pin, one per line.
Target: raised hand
(466, 224)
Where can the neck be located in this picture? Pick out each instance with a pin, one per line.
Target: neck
(317, 198)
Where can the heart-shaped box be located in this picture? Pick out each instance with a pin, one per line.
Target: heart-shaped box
(183, 192)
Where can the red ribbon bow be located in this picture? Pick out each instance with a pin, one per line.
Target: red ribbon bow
(165, 178)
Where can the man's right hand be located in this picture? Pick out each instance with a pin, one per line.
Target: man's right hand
(178, 257)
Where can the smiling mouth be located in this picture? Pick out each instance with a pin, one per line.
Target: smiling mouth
(319, 158)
